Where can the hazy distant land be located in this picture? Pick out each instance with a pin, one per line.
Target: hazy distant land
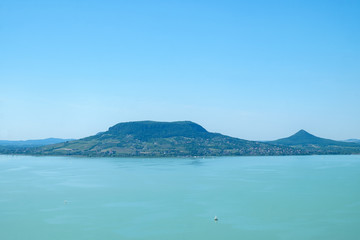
(33, 143)
(172, 139)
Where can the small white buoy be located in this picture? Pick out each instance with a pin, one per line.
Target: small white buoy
(216, 219)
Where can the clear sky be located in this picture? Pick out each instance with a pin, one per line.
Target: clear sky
(257, 70)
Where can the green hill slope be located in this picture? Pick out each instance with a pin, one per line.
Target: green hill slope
(185, 138)
(157, 139)
(316, 145)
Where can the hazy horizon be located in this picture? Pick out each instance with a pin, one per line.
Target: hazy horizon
(255, 70)
(152, 120)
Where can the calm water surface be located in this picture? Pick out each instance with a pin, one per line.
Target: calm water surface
(302, 197)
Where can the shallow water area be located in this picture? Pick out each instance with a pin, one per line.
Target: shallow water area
(288, 197)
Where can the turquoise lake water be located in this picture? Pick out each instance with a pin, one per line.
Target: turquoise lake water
(297, 197)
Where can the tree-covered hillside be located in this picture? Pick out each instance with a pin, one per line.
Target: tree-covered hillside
(157, 139)
(316, 145)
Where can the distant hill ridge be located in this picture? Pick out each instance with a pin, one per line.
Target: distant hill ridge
(316, 145)
(162, 139)
(302, 137)
(353, 140)
(33, 143)
(151, 129)
(183, 138)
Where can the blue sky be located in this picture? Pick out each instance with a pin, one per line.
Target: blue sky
(256, 70)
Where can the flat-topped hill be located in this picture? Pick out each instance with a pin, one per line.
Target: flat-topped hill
(155, 139)
(183, 138)
(151, 129)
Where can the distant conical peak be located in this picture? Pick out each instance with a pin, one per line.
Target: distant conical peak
(302, 132)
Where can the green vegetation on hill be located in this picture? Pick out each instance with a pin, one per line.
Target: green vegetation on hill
(162, 139)
(316, 145)
(146, 130)
(172, 139)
